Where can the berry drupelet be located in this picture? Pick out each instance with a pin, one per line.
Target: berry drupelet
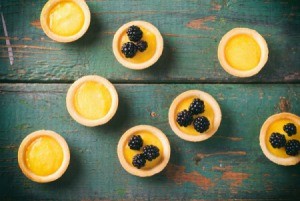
(197, 106)
(277, 140)
(184, 118)
(150, 152)
(129, 49)
(201, 124)
(292, 147)
(136, 142)
(139, 161)
(134, 33)
(290, 129)
(142, 45)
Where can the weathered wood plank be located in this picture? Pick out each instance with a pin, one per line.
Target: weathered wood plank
(229, 165)
(191, 29)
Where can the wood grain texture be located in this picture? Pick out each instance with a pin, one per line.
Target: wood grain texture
(191, 29)
(230, 165)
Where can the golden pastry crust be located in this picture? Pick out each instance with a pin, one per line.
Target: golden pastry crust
(260, 41)
(22, 155)
(142, 172)
(205, 97)
(291, 160)
(70, 103)
(64, 39)
(150, 62)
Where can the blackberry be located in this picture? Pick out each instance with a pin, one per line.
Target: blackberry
(134, 33)
(129, 49)
(290, 129)
(142, 45)
(197, 106)
(184, 118)
(136, 142)
(150, 152)
(201, 124)
(277, 140)
(292, 147)
(139, 161)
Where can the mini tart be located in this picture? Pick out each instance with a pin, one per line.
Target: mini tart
(109, 88)
(117, 44)
(164, 156)
(255, 51)
(215, 116)
(22, 156)
(82, 11)
(264, 138)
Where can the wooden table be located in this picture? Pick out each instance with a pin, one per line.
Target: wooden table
(230, 165)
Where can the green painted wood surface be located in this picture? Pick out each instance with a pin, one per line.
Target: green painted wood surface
(229, 165)
(191, 29)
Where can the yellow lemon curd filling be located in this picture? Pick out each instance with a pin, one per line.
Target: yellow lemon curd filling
(66, 18)
(140, 57)
(208, 113)
(277, 127)
(92, 100)
(44, 156)
(148, 139)
(242, 52)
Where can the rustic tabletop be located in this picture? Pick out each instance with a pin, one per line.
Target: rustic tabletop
(230, 165)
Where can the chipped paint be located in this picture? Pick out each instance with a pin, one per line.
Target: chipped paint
(36, 24)
(180, 176)
(238, 153)
(284, 105)
(215, 6)
(201, 23)
(235, 178)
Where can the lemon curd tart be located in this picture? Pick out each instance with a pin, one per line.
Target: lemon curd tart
(139, 56)
(275, 137)
(242, 52)
(43, 156)
(65, 20)
(92, 100)
(154, 151)
(194, 115)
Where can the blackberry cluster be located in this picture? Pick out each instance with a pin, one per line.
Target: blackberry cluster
(290, 129)
(135, 35)
(277, 140)
(201, 124)
(185, 117)
(136, 142)
(292, 147)
(150, 152)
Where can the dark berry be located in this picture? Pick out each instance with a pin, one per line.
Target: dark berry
(142, 45)
(134, 33)
(292, 147)
(290, 129)
(197, 106)
(184, 118)
(150, 152)
(139, 161)
(136, 142)
(201, 124)
(277, 140)
(129, 49)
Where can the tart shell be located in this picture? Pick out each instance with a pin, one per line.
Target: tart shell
(205, 97)
(141, 172)
(150, 62)
(292, 160)
(65, 39)
(70, 103)
(22, 155)
(260, 41)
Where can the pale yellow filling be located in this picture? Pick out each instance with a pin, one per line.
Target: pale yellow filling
(277, 127)
(66, 18)
(140, 57)
(208, 113)
(44, 156)
(242, 52)
(148, 139)
(92, 100)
